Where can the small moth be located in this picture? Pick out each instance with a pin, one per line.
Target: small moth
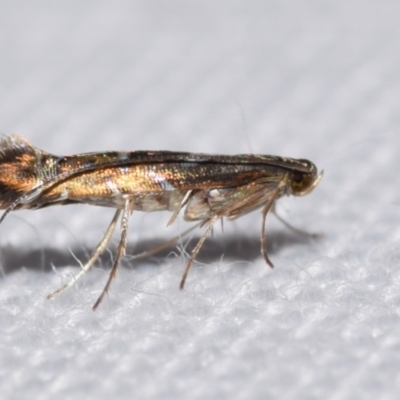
(207, 187)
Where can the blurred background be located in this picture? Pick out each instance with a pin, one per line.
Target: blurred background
(315, 80)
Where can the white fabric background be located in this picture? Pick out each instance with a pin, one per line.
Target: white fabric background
(316, 80)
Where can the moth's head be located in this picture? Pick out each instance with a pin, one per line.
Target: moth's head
(304, 182)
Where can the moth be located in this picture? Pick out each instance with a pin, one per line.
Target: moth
(207, 187)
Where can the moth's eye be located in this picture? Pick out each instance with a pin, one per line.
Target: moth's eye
(300, 183)
(303, 183)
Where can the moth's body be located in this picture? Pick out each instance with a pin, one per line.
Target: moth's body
(155, 181)
(208, 187)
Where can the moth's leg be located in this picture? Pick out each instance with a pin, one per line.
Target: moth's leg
(95, 255)
(165, 245)
(264, 212)
(293, 228)
(209, 228)
(179, 208)
(120, 250)
(172, 241)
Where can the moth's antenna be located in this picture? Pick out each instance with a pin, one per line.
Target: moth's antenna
(245, 127)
